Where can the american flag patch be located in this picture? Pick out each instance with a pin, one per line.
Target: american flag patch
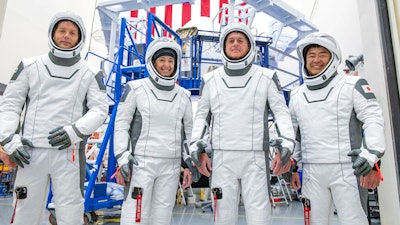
(366, 88)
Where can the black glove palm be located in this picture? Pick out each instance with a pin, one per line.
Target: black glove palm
(126, 169)
(285, 155)
(195, 172)
(21, 155)
(285, 152)
(200, 146)
(361, 165)
(59, 137)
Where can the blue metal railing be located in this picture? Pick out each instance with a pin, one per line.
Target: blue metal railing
(122, 66)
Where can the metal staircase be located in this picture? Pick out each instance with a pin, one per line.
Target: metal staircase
(126, 58)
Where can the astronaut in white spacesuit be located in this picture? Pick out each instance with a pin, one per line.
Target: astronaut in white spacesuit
(153, 122)
(64, 102)
(340, 130)
(234, 104)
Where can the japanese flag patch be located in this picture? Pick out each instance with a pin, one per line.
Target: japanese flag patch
(366, 88)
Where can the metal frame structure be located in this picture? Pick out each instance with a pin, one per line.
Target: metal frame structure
(285, 15)
(110, 11)
(125, 67)
(95, 195)
(196, 43)
(6, 184)
(288, 16)
(122, 67)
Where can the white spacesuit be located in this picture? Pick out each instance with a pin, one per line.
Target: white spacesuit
(329, 112)
(154, 115)
(235, 99)
(58, 91)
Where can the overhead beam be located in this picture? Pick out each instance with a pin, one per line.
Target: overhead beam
(285, 14)
(118, 6)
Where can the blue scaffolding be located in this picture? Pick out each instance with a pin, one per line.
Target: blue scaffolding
(128, 63)
(124, 69)
(196, 41)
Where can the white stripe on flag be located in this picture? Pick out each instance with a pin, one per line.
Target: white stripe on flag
(366, 88)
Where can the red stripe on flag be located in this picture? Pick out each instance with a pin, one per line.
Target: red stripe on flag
(134, 14)
(153, 10)
(186, 13)
(205, 8)
(240, 12)
(168, 18)
(221, 2)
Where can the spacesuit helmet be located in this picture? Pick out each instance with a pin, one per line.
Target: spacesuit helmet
(237, 64)
(61, 52)
(159, 47)
(328, 42)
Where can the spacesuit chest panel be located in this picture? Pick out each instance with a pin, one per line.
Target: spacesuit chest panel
(50, 94)
(323, 117)
(62, 72)
(238, 104)
(63, 87)
(236, 92)
(162, 113)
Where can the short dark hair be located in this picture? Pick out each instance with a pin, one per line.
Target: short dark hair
(236, 31)
(56, 26)
(305, 50)
(164, 52)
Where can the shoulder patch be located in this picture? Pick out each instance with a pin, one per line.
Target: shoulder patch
(277, 82)
(295, 91)
(93, 69)
(136, 83)
(125, 93)
(30, 61)
(99, 79)
(209, 75)
(364, 89)
(22, 65)
(18, 71)
(186, 92)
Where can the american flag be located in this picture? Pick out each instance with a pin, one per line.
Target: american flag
(178, 15)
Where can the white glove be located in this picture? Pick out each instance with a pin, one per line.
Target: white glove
(16, 147)
(363, 161)
(64, 136)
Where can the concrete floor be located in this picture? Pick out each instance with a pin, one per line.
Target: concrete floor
(290, 213)
(282, 214)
